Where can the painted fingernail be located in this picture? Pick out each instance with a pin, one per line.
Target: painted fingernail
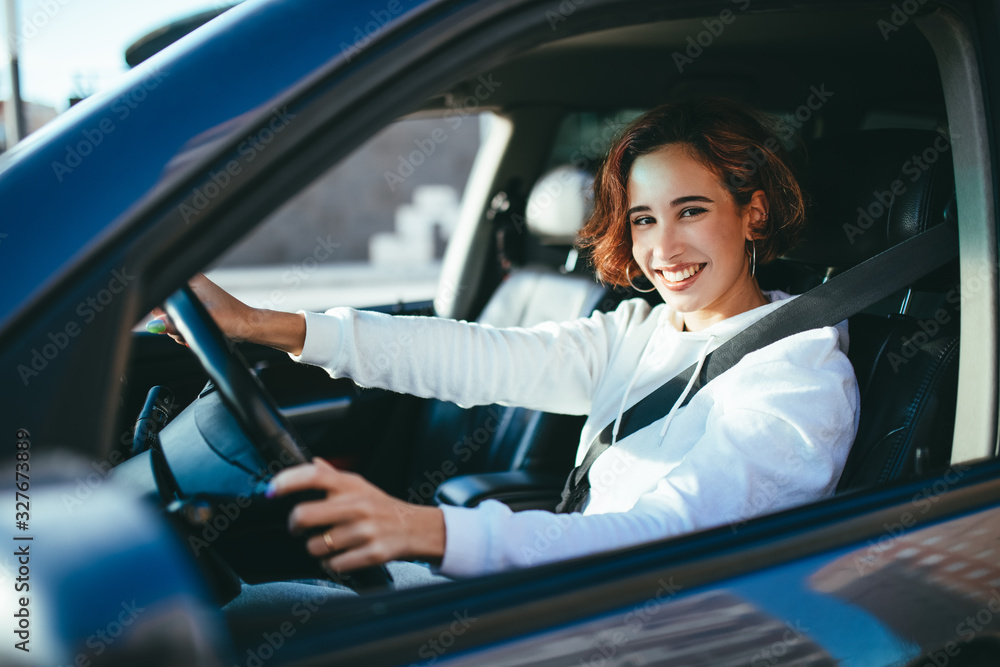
(156, 326)
(271, 491)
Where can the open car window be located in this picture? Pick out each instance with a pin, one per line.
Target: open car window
(371, 231)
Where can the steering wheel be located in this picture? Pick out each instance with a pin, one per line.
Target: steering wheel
(240, 390)
(250, 404)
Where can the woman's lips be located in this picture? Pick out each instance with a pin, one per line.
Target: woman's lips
(682, 279)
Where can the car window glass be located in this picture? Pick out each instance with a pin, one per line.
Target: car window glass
(371, 231)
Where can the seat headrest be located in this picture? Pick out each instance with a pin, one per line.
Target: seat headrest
(871, 190)
(559, 204)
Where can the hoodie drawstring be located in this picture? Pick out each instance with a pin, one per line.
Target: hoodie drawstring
(631, 383)
(635, 374)
(687, 389)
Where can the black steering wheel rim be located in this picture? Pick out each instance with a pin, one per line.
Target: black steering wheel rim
(251, 405)
(241, 391)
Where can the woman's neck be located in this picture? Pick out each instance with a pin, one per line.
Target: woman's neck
(747, 298)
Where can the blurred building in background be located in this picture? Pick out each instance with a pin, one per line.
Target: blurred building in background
(35, 115)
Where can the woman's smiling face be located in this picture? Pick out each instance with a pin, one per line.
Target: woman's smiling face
(689, 236)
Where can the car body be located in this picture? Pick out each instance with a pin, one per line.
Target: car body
(114, 205)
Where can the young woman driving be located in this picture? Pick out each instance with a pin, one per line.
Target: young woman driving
(690, 198)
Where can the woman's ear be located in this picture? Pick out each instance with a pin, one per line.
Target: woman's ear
(755, 216)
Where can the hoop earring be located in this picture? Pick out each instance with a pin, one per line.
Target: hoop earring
(753, 258)
(644, 291)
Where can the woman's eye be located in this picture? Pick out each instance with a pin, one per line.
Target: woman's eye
(644, 220)
(692, 211)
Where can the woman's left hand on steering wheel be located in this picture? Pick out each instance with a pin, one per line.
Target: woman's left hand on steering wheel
(364, 525)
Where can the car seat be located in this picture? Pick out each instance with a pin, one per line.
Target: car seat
(547, 287)
(904, 351)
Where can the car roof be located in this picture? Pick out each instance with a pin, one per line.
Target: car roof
(648, 63)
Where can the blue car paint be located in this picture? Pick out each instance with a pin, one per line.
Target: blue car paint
(114, 154)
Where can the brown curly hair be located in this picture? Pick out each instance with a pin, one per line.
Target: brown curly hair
(742, 146)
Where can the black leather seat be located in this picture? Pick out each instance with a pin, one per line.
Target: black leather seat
(870, 191)
(496, 438)
(907, 402)
(867, 194)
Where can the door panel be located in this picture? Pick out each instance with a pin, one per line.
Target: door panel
(913, 597)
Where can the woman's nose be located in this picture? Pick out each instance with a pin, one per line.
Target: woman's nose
(667, 243)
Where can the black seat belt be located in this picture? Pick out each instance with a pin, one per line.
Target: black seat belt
(825, 305)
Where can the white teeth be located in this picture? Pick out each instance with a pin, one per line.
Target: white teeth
(677, 276)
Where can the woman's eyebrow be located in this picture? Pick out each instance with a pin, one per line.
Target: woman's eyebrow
(689, 198)
(636, 209)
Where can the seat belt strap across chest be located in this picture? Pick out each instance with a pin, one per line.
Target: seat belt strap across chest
(825, 305)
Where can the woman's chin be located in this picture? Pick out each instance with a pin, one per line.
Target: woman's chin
(681, 303)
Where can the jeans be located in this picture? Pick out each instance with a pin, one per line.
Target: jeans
(266, 596)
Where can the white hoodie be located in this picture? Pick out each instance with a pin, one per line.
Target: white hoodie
(771, 432)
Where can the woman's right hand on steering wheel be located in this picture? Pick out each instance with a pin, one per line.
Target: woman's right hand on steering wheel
(238, 321)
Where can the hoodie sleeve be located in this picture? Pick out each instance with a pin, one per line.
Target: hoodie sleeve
(551, 367)
(778, 433)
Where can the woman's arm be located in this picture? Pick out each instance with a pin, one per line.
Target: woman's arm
(552, 367)
(283, 331)
(240, 322)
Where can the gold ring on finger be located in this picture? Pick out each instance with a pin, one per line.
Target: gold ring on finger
(329, 541)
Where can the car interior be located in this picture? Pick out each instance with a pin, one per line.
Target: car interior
(874, 115)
